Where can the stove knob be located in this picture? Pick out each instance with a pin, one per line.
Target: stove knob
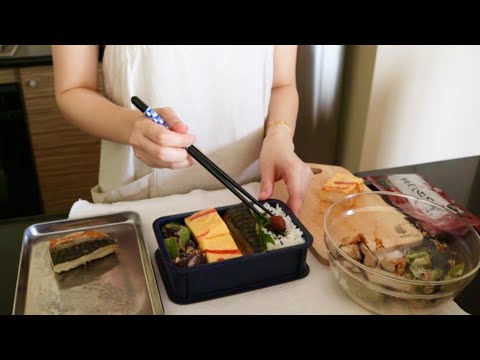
(32, 83)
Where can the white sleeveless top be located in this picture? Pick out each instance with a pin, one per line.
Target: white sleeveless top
(222, 92)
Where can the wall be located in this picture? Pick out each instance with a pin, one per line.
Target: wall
(424, 106)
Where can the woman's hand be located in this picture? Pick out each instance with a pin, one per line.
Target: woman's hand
(279, 161)
(159, 147)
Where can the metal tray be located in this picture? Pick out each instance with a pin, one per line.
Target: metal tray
(121, 283)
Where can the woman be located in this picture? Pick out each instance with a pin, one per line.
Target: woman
(240, 103)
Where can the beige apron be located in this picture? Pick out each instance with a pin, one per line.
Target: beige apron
(221, 91)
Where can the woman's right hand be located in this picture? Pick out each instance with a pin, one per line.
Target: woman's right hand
(159, 147)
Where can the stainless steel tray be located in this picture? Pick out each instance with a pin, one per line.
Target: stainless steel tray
(121, 283)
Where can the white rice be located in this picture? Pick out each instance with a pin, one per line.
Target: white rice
(293, 236)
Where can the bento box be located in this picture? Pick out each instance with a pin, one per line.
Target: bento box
(185, 285)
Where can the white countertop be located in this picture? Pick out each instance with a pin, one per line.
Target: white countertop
(318, 293)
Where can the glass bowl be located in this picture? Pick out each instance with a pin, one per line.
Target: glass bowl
(396, 254)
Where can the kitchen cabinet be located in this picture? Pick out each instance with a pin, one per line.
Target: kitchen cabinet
(8, 76)
(66, 158)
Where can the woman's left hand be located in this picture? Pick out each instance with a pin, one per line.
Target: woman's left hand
(279, 161)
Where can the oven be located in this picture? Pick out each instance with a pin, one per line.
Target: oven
(19, 188)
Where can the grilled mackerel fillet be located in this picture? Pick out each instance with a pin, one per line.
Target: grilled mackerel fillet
(79, 248)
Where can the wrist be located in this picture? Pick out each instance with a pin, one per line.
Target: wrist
(280, 136)
(132, 116)
(279, 131)
(278, 127)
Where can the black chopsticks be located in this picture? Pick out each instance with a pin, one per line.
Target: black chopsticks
(209, 165)
(226, 180)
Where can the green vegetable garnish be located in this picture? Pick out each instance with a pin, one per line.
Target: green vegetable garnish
(264, 237)
(421, 267)
(262, 222)
(436, 275)
(183, 236)
(173, 226)
(430, 275)
(455, 270)
(180, 232)
(415, 255)
(419, 264)
(362, 291)
(172, 247)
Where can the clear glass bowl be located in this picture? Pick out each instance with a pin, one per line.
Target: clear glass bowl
(415, 258)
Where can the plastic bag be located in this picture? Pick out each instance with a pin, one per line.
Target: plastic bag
(432, 219)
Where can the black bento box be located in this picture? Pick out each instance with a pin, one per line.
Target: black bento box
(245, 273)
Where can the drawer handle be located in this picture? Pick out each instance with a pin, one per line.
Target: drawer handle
(32, 83)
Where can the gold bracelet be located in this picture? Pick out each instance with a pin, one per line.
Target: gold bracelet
(279, 122)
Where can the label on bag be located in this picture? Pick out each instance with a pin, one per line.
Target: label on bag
(414, 185)
(432, 217)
